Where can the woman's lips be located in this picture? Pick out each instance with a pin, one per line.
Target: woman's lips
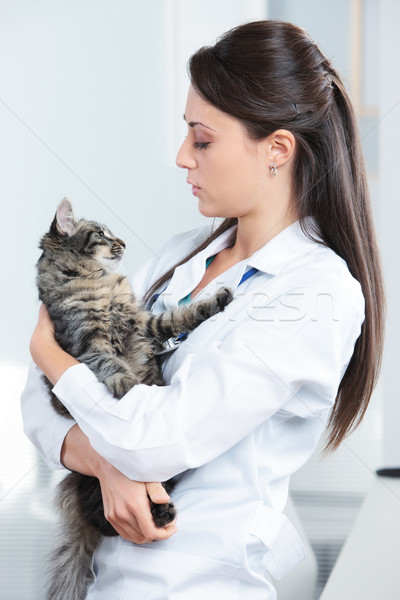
(195, 188)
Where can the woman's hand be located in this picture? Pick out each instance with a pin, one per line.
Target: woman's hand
(43, 335)
(46, 352)
(126, 503)
(127, 507)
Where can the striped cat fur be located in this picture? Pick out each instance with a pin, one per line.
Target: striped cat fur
(98, 320)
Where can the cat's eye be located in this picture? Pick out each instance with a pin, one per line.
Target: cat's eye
(101, 234)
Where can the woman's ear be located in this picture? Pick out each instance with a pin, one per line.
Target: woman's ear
(281, 147)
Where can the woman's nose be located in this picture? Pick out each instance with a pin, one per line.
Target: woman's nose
(185, 158)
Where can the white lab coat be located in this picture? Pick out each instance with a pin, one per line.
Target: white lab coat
(248, 395)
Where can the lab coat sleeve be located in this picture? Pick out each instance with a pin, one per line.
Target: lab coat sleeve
(44, 427)
(222, 392)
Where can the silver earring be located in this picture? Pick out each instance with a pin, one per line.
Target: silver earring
(273, 169)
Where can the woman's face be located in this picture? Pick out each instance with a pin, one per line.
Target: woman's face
(228, 171)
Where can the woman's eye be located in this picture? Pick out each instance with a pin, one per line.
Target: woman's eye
(201, 145)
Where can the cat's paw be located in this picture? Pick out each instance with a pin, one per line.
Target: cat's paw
(119, 384)
(162, 513)
(223, 297)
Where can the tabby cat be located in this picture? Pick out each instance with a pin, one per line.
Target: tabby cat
(98, 320)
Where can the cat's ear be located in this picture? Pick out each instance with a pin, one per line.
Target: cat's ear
(64, 219)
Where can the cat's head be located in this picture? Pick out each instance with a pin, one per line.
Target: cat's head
(83, 239)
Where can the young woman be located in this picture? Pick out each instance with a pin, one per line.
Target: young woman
(272, 147)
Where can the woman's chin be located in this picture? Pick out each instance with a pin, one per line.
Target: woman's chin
(209, 211)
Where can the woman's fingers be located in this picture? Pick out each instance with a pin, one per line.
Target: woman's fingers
(44, 320)
(146, 524)
(157, 493)
(43, 335)
(127, 508)
(44, 330)
(135, 523)
(130, 531)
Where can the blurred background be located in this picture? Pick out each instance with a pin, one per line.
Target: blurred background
(91, 101)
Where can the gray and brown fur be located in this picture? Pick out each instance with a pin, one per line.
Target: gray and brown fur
(98, 320)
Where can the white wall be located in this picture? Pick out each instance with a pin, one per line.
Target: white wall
(91, 101)
(81, 115)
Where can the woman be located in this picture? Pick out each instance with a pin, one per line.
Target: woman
(272, 147)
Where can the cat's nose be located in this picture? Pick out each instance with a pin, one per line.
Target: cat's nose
(121, 242)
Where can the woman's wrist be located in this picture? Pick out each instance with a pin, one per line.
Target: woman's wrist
(78, 455)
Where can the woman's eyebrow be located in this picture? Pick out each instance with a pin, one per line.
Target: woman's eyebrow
(193, 123)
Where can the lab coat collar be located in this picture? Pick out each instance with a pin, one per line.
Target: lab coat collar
(290, 243)
(271, 258)
(187, 275)
(287, 245)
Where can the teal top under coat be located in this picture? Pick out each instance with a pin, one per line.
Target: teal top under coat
(188, 298)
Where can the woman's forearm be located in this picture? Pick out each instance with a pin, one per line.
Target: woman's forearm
(78, 455)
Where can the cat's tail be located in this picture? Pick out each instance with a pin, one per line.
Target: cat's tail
(71, 560)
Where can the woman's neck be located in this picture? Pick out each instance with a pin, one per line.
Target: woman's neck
(253, 233)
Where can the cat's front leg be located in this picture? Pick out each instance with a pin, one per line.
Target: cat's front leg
(186, 318)
(114, 372)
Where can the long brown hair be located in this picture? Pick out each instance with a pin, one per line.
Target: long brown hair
(270, 75)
